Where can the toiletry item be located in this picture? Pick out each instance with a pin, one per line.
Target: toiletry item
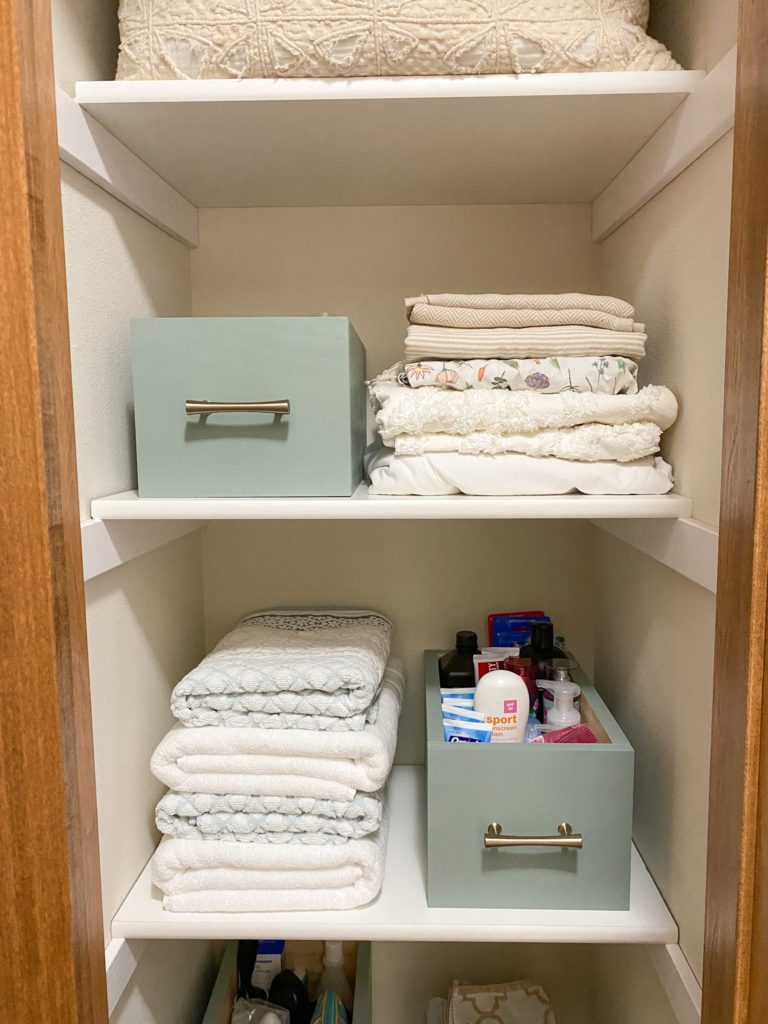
(268, 964)
(507, 628)
(486, 663)
(562, 712)
(451, 714)
(288, 991)
(333, 978)
(259, 1011)
(329, 1010)
(528, 669)
(466, 732)
(532, 729)
(542, 649)
(502, 697)
(458, 693)
(570, 734)
(456, 667)
(452, 702)
(561, 672)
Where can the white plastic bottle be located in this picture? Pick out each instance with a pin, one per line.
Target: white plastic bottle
(503, 699)
(334, 978)
(563, 713)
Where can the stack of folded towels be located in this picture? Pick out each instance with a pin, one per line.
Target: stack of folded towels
(519, 394)
(285, 739)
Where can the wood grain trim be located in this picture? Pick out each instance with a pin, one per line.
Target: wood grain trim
(52, 953)
(735, 939)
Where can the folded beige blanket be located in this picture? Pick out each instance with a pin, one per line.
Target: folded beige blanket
(423, 342)
(565, 300)
(464, 317)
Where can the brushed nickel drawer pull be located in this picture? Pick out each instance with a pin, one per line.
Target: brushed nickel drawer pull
(200, 407)
(565, 837)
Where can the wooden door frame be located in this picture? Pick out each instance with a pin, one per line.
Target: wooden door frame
(735, 983)
(52, 950)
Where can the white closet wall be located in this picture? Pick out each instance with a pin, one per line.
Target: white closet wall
(145, 619)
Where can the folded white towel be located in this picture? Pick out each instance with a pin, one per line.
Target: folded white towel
(404, 410)
(463, 317)
(286, 762)
(492, 300)
(225, 877)
(443, 473)
(521, 343)
(277, 666)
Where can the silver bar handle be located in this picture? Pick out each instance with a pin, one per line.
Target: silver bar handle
(201, 407)
(493, 838)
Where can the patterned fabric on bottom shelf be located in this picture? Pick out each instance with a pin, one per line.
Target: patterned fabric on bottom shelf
(517, 1002)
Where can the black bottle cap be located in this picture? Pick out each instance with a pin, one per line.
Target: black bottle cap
(542, 636)
(467, 641)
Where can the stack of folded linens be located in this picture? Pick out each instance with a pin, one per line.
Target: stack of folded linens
(277, 767)
(519, 394)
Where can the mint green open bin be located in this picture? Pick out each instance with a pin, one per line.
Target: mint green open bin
(311, 445)
(530, 790)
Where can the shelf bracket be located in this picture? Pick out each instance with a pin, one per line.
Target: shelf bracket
(109, 544)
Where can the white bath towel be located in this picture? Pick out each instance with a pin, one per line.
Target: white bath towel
(590, 442)
(286, 762)
(443, 473)
(289, 669)
(521, 343)
(404, 410)
(224, 877)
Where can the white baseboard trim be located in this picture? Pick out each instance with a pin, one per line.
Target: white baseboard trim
(679, 981)
(122, 958)
(93, 151)
(703, 118)
(109, 544)
(685, 545)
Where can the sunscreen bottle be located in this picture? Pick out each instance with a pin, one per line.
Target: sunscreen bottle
(502, 697)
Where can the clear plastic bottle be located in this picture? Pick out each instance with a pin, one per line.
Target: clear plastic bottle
(334, 978)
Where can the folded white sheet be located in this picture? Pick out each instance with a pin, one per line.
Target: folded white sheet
(590, 442)
(268, 819)
(404, 410)
(225, 877)
(289, 669)
(521, 343)
(442, 473)
(286, 762)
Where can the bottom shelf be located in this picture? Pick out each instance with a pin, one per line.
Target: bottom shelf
(401, 913)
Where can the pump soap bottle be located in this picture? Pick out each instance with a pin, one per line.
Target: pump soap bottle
(457, 669)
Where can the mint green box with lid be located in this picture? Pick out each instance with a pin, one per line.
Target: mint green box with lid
(530, 791)
(248, 406)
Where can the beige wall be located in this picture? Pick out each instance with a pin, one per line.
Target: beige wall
(698, 32)
(85, 41)
(363, 261)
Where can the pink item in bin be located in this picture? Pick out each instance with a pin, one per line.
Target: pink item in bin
(571, 734)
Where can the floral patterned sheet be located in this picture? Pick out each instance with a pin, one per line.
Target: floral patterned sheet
(611, 375)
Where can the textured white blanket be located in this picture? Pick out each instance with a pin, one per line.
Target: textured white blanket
(463, 318)
(224, 877)
(286, 762)
(493, 300)
(590, 442)
(521, 343)
(289, 669)
(404, 410)
(268, 819)
(443, 473)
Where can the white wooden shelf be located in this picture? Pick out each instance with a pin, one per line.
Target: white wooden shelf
(401, 914)
(362, 505)
(390, 141)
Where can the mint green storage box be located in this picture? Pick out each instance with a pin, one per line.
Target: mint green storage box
(316, 449)
(529, 789)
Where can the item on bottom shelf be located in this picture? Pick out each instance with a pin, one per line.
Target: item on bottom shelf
(289, 992)
(329, 1010)
(502, 696)
(466, 732)
(517, 1002)
(334, 978)
(563, 713)
(258, 1011)
(456, 667)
